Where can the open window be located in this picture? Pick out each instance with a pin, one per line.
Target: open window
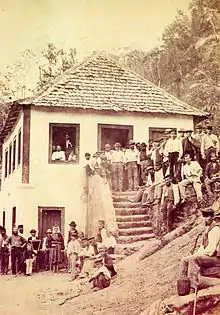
(111, 134)
(157, 133)
(64, 143)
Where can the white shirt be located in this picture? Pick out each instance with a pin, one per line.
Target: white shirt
(58, 156)
(209, 141)
(213, 242)
(95, 272)
(192, 170)
(117, 156)
(109, 241)
(73, 247)
(173, 145)
(131, 155)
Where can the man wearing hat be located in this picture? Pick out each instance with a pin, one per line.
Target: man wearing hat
(117, 161)
(73, 251)
(212, 174)
(170, 198)
(188, 144)
(208, 254)
(181, 133)
(197, 137)
(100, 275)
(72, 226)
(210, 143)
(131, 159)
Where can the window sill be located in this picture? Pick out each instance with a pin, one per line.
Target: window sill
(64, 162)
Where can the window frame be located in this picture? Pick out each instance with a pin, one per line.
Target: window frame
(6, 163)
(19, 148)
(10, 159)
(157, 129)
(14, 153)
(77, 149)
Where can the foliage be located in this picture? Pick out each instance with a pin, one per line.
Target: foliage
(187, 64)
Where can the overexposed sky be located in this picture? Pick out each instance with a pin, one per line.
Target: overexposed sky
(86, 25)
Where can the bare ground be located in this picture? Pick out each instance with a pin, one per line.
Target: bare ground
(138, 285)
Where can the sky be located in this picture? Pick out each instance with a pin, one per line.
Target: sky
(86, 25)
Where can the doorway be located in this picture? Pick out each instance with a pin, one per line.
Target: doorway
(114, 133)
(48, 216)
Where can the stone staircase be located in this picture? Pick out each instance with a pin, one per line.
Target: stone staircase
(133, 221)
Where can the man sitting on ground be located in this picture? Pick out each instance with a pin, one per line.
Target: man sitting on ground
(212, 173)
(100, 275)
(192, 172)
(107, 260)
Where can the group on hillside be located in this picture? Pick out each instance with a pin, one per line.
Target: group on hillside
(161, 171)
(84, 257)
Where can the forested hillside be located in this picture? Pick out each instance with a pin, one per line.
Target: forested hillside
(187, 63)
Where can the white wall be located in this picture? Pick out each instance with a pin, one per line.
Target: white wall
(62, 184)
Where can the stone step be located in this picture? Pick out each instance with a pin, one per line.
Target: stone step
(135, 231)
(124, 204)
(133, 224)
(123, 198)
(124, 193)
(134, 238)
(130, 211)
(132, 218)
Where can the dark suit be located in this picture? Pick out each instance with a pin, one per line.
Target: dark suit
(212, 175)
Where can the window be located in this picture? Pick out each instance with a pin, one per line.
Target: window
(19, 147)
(64, 143)
(3, 218)
(13, 217)
(6, 163)
(14, 155)
(157, 133)
(10, 157)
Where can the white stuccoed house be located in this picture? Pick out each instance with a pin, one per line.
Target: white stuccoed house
(94, 103)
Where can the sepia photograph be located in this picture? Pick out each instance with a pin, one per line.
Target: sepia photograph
(110, 157)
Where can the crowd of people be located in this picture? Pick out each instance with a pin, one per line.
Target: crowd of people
(161, 170)
(84, 257)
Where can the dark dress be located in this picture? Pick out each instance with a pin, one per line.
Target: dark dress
(56, 243)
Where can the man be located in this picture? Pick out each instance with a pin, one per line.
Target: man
(181, 133)
(208, 254)
(165, 164)
(68, 146)
(72, 226)
(188, 144)
(192, 172)
(174, 151)
(108, 152)
(210, 143)
(17, 243)
(21, 229)
(44, 253)
(4, 252)
(212, 173)
(145, 162)
(198, 136)
(88, 165)
(100, 275)
(58, 155)
(170, 198)
(107, 260)
(73, 251)
(117, 161)
(131, 158)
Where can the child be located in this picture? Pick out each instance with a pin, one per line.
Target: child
(109, 242)
(73, 251)
(101, 234)
(100, 275)
(4, 252)
(29, 258)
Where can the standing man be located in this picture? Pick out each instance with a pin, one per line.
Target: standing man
(192, 172)
(17, 243)
(181, 133)
(4, 252)
(165, 164)
(72, 229)
(108, 152)
(208, 254)
(131, 158)
(210, 143)
(117, 161)
(174, 151)
(188, 144)
(198, 136)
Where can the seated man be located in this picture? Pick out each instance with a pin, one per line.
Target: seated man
(208, 254)
(212, 173)
(110, 242)
(100, 275)
(192, 172)
(107, 261)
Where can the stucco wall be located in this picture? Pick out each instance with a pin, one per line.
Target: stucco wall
(61, 185)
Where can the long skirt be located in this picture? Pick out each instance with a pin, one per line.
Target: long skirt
(56, 254)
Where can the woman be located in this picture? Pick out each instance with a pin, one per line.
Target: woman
(57, 245)
(99, 199)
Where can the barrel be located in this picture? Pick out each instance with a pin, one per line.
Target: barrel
(183, 286)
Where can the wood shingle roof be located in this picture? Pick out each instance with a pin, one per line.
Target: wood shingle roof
(100, 83)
